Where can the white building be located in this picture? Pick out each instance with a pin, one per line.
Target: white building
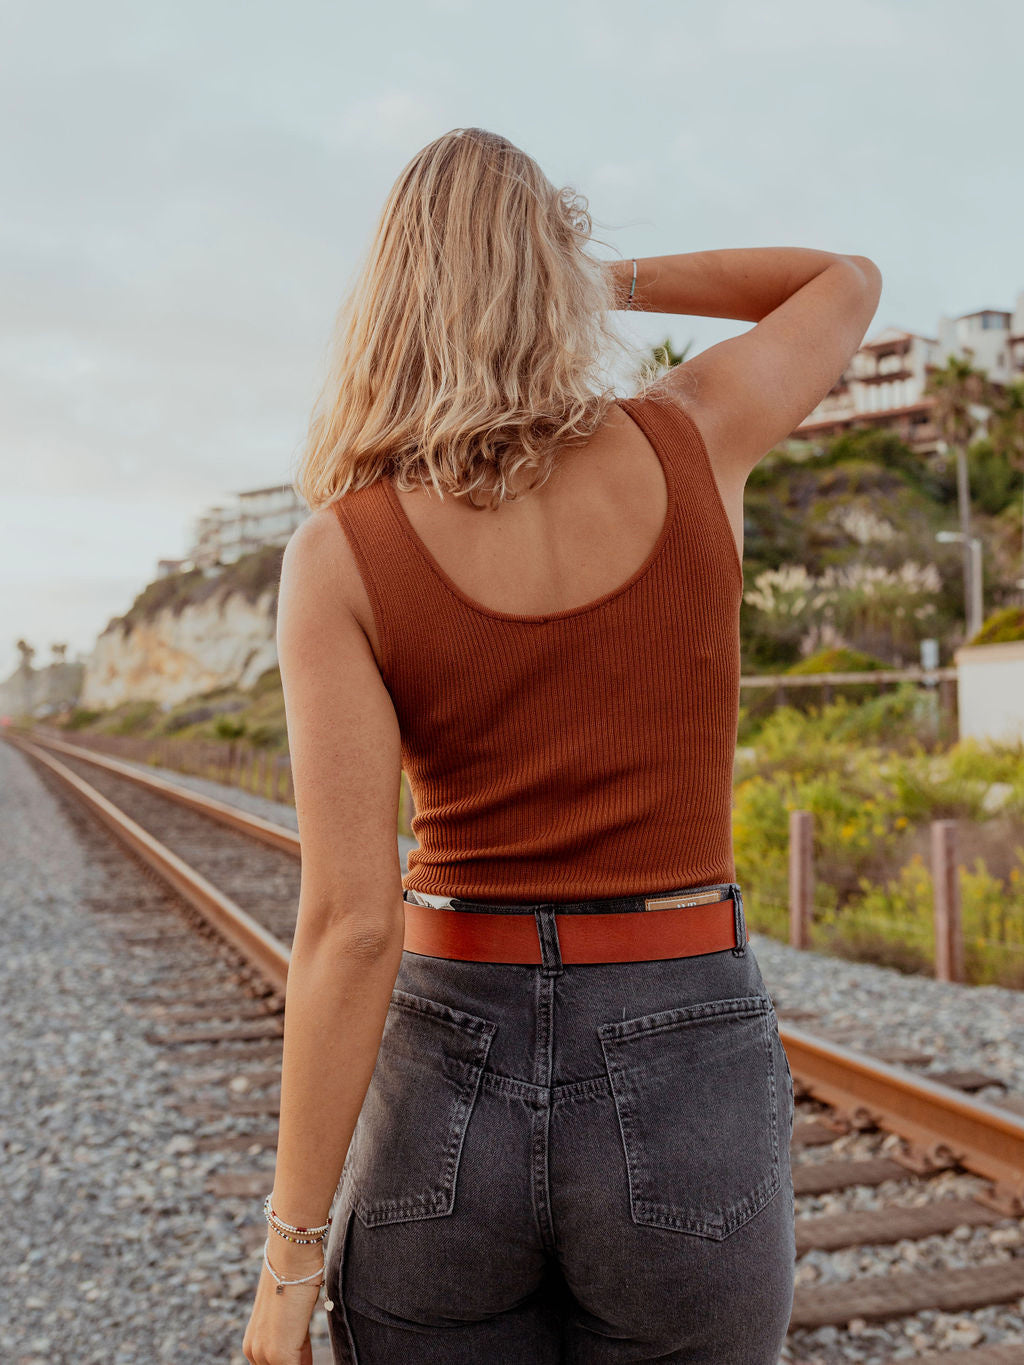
(166, 567)
(258, 517)
(884, 383)
(990, 691)
(269, 515)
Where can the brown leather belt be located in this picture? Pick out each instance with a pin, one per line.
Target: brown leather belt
(669, 924)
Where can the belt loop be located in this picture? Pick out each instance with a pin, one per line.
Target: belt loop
(739, 921)
(547, 931)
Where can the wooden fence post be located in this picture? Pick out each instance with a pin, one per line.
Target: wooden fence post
(949, 938)
(949, 705)
(801, 876)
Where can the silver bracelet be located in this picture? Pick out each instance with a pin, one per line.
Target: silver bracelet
(304, 1280)
(632, 287)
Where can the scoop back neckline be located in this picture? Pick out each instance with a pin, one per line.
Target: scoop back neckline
(566, 613)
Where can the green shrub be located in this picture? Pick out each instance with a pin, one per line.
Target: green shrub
(900, 717)
(926, 788)
(134, 718)
(884, 947)
(268, 682)
(891, 923)
(864, 791)
(189, 715)
(995, 484)
(229, 727)
(987, 760)
(992, 916)
(266, 736)
(837, 660)
(1001, 627)
(81, 717)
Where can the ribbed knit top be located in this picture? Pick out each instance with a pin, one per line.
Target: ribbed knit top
(584, 753)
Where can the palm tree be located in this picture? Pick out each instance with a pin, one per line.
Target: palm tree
(1006, 431)
(958, 388)
(27, 653)
(664, 356)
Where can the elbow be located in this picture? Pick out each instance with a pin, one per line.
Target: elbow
(370, 942)
(869, 272)
(363, 934)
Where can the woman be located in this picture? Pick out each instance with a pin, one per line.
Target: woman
(544, 1062)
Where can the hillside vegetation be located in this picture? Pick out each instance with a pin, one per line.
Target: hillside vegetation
(251, 576)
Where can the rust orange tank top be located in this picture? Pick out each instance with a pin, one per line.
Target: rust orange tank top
(586, 753)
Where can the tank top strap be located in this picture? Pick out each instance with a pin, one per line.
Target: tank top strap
(677, 438)
(402, 595)
(670, 429)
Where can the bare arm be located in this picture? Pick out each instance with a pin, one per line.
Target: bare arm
(745, 283)
(746, 394)
(347, 948)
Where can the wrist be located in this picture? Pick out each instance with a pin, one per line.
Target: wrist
(287, 1257)
(621, 273)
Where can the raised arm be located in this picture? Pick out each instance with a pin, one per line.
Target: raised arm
(811, 310)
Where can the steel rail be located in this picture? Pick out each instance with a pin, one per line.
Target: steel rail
(277, 836)
(257, 946)
(940, 1126)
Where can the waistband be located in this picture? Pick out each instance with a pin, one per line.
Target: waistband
(671, 924)
(657, 900)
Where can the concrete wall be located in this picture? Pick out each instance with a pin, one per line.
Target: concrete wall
(990, 681)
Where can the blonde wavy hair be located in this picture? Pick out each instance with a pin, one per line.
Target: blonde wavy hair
(472, 345)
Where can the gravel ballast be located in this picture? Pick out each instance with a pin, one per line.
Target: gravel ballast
(91, 1129)
(113, 1253)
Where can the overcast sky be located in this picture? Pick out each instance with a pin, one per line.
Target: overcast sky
(187, 188)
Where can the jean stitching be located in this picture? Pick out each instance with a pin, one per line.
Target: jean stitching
(466, 1074)
(657, 1213)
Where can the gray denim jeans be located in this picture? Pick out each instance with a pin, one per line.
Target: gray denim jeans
(582, 1163)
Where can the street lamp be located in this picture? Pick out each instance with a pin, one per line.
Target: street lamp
(975, 608)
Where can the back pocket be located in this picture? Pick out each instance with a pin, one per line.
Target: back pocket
(695, 1093)
(403, 1160)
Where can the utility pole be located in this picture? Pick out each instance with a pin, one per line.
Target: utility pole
(973, 600)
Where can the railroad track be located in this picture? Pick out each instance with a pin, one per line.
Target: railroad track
(942, 1164)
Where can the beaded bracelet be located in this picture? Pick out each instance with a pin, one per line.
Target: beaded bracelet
(295, 1234)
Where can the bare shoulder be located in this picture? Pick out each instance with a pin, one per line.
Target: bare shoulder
(319, 567)
(750, 392)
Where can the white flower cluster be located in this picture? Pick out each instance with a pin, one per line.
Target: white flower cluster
(791, 591)
(864, 525)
